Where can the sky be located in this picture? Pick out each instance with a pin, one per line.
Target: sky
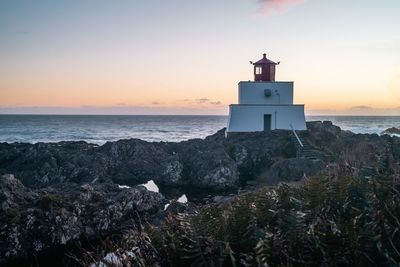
(187, 56)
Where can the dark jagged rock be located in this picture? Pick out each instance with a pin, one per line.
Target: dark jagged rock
(135, 161)
(42, 164)
(392, 130)
(365, 152)
(35, 221)
(215, 162)
(292, 170)
(324, 132)
(13, 193)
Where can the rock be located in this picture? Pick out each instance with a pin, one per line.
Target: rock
(392, 130)
(322, 133)
(135, 161)
(13, 193)
(291, 170)
(220, 163)
(215, 163)
(176, 207)
(365, 153)
(32, 222)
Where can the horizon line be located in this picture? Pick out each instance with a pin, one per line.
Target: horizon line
(197, 115)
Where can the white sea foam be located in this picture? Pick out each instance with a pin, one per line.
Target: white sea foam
(151, 186)
(182, 199)
(101, 129)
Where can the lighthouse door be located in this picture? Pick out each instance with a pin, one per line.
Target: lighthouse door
(267, 122)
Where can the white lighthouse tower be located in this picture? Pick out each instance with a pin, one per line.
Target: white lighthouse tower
(264, 104)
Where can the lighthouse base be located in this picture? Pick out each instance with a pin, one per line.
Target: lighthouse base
(255, 118)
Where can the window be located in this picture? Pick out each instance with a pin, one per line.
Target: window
(258, 70)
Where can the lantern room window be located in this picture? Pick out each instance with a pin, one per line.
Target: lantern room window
(258, 70)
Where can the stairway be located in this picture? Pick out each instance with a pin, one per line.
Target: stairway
(304, 149)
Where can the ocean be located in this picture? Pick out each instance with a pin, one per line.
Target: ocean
(100, 129)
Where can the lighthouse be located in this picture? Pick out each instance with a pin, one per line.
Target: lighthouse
(265, 104)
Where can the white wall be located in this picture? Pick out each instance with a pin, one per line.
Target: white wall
(250, 118)
(253, 93)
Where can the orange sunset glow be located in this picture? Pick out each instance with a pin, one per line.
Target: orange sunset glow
(119, 61)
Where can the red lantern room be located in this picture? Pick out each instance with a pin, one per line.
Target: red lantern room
(264, 70)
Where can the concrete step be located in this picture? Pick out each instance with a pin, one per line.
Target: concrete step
(305, 150)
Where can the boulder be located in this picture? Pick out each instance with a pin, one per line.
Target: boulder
(13, 193)
(391, 130)
(292, 170)
(322, 133)
(33, 222)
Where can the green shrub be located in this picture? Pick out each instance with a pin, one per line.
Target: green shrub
(13, 215)
(329, 220)
(49, 200)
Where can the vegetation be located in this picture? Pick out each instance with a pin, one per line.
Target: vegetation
(346, 216)
(331, 220)
(13, 215)
(48, 200)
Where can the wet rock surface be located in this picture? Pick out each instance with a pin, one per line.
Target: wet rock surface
(391, 130)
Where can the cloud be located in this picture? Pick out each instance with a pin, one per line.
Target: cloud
(82, 106)
(362, 107)
(268, 7)
(155, 103)
(203, 102)
(355, 111)
(116, 110)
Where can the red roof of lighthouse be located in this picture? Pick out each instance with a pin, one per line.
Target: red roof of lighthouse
(265, 60)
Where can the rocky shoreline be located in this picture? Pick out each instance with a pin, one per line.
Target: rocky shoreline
(57, 198)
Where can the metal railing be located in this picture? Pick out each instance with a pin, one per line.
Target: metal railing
(297, 137)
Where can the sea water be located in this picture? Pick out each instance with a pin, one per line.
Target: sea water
(99, 129)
